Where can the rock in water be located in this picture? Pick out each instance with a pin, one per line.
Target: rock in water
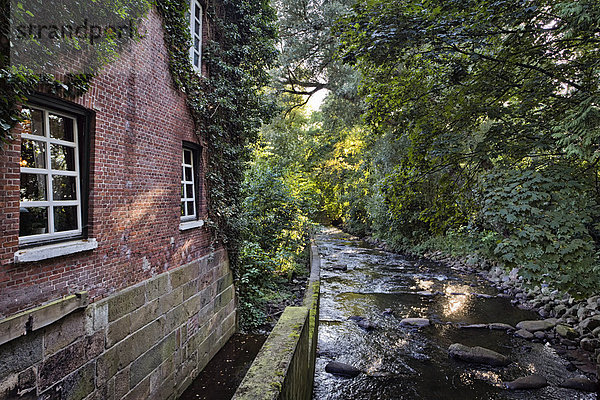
(478, 355)
(366, 324)
(580, 383)
(527, 382)
(538, 325)
(418, 322)
(522, 333)
(501, 327)
(341, 369)
(474, 326)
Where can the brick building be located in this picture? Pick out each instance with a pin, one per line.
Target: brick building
(110, 286)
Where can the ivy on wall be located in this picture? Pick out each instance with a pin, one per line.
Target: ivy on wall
(228, 103)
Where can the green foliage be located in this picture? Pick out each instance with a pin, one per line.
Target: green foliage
(545, 219)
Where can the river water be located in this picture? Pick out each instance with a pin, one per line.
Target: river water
(400, 362)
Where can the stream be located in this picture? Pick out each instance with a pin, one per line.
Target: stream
(403, 362)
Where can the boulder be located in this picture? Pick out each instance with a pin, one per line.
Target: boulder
(341, 369)
(418, 322)
(366, 324)
(538, 325)
(501, 327)
(524, 334)
(474, 326)
(527, 383)
(589, 324)
(566, 331)
(589, 344)
(539, 335)
(580, 383)
(477, 355)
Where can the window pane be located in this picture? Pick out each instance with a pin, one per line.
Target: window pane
(63, 157)
(61, 127)
(182, 192)
(33, 187)
(197, 28)
(33, 123)
(189, 191)
(190, 208)
(196, 59)
(63, 187)
(197, 10)
(65, 218)
(33, 221)
(182, 208)
(187, 157)
(33, 154)
(188, 174)
(196, 44)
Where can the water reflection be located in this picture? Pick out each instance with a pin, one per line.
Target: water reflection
(401, 362)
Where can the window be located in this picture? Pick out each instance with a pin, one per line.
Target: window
(51, 191)
(196, 33)
(188, 186)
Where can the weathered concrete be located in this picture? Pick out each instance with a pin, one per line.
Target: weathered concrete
(284, 368)
(147, 341)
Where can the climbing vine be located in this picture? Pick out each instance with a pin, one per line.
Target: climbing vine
(227, 103)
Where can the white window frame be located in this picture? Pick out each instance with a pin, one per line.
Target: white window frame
(195, 5)
(50, 203)
(184, 183)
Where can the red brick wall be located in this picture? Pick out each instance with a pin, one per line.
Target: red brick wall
(134, 198)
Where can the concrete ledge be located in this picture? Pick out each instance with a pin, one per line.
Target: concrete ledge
(54, 250)
(184, 226)
(39, 317)
(284, 368)
(279, 372)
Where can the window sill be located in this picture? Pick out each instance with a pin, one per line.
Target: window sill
(184, 226)
(54, 250)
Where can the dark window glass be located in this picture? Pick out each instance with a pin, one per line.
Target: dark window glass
(33, 154)
(190, 208)
(61, 127)
(33, 187)
(33, 123)
(63, 157)
(33, 221)
(65, 218)
(188, 174)
(64, 188)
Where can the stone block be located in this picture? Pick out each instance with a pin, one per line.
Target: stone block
(122, 383)
(224, 282)
(95, 345)
(175, 318)
(19, 354)
(206, 279)
(76, 386)
(141, 391)
(100, 312)
(59, 365)
(190, 289)
(125, 302)
(193, 305)
(118, 330)
(27, 380)
(184, 274)
(152, 359)
(140, 341)
(144, 315)
(170, 300)
(108, 364)
(64, 332)
(223, 298)
(157, 287)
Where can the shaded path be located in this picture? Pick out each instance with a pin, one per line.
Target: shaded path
(400, 362)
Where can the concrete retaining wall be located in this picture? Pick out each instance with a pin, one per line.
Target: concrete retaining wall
(284, 368)
(146, 342)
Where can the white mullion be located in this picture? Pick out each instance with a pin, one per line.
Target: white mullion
(78, 209)
(193, 185)
(50, 194)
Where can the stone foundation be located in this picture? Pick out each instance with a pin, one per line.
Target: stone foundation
(147, 341)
